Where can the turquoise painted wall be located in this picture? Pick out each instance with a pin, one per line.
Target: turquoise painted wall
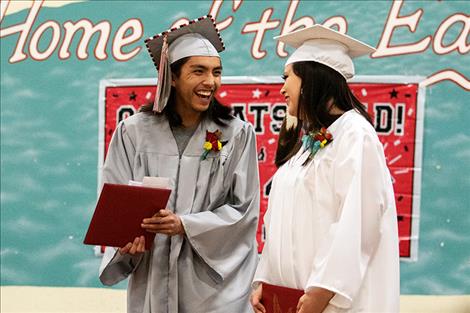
(49, 131)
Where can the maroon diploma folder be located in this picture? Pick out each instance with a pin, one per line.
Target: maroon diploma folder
(277, 299)
(119, 213)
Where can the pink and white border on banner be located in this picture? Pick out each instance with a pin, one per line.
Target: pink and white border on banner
(396, 104)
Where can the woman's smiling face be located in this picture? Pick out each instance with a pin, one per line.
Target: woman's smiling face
(291, 89)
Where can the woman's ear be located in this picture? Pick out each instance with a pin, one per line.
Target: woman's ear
(330, 105)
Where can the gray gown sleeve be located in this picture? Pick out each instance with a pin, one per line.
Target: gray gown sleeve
(225, 236)
(118, 170)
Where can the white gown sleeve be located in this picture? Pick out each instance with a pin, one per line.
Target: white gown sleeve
(118, 170)
(361, 187)
(225, 236)
(263, 269)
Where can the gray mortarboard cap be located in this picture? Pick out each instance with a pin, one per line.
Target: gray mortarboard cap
(199, 37)
(326, 46)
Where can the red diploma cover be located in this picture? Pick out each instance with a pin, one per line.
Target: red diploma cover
(119, 213)
(277, 299)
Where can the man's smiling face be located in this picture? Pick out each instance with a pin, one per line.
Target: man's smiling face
(199, 79)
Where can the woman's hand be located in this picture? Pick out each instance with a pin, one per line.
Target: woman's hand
(135, 247)
(256, 300)
(164, 222)
(314, 301)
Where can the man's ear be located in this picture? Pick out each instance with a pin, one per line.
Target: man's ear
(173, 82)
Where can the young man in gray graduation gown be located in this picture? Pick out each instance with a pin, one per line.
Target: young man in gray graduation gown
(204, 254)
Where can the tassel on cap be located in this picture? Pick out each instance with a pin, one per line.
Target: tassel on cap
(164, 79)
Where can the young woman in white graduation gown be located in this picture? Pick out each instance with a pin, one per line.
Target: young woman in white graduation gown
(331, 223)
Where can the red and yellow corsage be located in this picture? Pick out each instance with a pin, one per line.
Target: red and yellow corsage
(212, 143)
(314, 141)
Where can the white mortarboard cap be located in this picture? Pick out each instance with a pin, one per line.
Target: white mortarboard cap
(326, 46)
(199, 37)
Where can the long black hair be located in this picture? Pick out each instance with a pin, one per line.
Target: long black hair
(217, 112)
(321, 86)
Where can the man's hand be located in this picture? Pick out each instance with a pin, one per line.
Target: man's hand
(164, 222)
(133, 248)
(314, 301)
(256, 300)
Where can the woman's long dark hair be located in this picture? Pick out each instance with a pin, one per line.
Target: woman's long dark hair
(321, 86)
(217, 112)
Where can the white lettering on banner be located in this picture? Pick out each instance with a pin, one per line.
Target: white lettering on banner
(131, 31)
(460, 44)
(34, 47)
(214, 12)
(88, 31)
(24, 30)
(290, 25)
(411, 21)
(259, 28)
(134, 26)
(385, 49)
(121, 40)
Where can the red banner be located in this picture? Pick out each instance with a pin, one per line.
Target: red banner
(393, 106)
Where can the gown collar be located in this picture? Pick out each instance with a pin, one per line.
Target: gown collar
(334, 129)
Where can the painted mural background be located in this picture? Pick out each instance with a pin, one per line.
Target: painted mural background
(49, 118)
